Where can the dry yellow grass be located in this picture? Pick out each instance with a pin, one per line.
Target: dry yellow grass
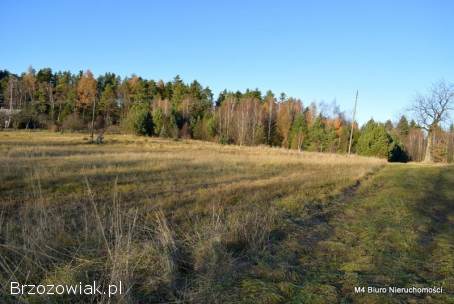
(177, 220)
(166, 173)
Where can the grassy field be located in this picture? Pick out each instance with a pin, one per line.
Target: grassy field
(196, 222)
(397, 230)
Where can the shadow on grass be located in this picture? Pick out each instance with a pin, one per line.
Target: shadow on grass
(396, 232)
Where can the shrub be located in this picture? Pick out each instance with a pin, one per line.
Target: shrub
(73, 123)
(29, 119)
(165, 125)
(204, 128)
(100, 123)
(373, 140)
(138, 121)
(3, 119)
(199, 129)
(158, 120)
(376, 141)
(397, 152)
(113, 129)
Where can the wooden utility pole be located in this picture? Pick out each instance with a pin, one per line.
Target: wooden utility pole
(353, 125)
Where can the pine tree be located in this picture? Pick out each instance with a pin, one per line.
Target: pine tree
(373, 140)
(403, 127)
(139, 120)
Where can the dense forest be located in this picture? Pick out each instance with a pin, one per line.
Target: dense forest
(63, 101)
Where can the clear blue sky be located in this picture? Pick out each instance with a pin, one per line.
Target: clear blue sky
(314, 50)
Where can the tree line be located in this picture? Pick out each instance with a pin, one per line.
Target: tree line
(66, 101)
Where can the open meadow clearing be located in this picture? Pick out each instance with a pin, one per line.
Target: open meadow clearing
(227, 152)
(190, 221)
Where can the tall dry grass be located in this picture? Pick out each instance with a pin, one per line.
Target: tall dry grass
(175, 221)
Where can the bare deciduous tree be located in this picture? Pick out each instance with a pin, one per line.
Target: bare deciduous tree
(432, 109)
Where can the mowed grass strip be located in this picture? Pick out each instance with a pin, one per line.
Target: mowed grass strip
(398, 230)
